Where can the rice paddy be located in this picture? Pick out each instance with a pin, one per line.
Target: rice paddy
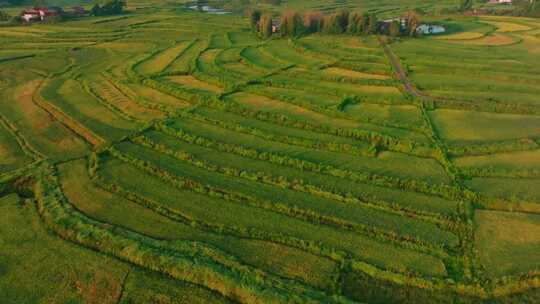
(174, 156)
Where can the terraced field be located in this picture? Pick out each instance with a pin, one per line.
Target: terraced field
(191, 162)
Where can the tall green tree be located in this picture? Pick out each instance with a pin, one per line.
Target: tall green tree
(291, 24)
(412, 23)
(4, 16)
(372, 24)
(313, 21)
(466, 5)
(254, 18)
(355, 23)
(336, 23)
(394, 29)
(265, 25)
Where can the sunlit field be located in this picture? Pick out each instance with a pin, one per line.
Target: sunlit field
(174, 156)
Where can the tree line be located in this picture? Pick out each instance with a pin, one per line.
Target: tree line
(112, 7)
(294, 24)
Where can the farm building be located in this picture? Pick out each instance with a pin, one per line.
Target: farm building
(428, 29)
(384, 26)
(276, 25)
(41, 13)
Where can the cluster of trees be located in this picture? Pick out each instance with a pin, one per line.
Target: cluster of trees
(529, 8)
(466, 5)
(113, 7)
(293, 24)
(4, 16)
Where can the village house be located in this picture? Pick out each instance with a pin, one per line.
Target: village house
(384, 26)
(501, 1)
(41, 13)
(276, 25)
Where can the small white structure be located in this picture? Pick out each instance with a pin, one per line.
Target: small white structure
(501, 1)
(429, 29)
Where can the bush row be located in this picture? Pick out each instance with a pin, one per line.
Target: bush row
(312, 216)
(363, 177)
(500, 172)
(442, 155)
(184, 260)
(521, 144)
(483, 105)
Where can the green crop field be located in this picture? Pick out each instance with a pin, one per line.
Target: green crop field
(174, 155)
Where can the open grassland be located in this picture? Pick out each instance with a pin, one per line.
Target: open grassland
(505, 242)
(172, 156)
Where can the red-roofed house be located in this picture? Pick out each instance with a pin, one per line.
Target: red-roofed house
(41, 13)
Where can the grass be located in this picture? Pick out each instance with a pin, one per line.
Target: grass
(214, 211)
(522, 160)
(39, 267)
(315, 171)
(467, 126)
(387, 163)
(325, 207)
(157, 97)
(368, 192)
(108, 207)
(71, 98)
(404, 115)
(520, 190)
(163, 59)
(12, 155)
(43, 133)
(505, 242)
(506, 27)
(192, 82)
(353, 74)
(148, 287)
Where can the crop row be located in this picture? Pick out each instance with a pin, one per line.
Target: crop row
(107, 98)
(23, 143)
(521, 144)
(140, 100)
(385, 181)
(483, 105)
(311, 214)
(248, 221)
(385, 141)
(291, 140)
(68, 121)
(211, 268)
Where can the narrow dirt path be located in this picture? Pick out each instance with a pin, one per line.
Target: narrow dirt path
(400, 71)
